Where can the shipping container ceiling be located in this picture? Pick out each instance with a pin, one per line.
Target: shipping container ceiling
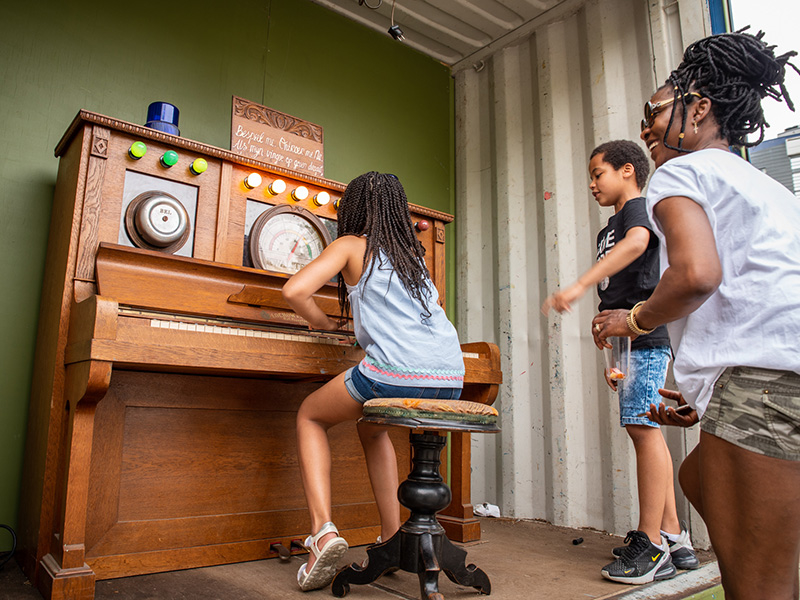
(454, 32)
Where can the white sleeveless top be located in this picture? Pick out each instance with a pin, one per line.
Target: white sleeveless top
(403, 347)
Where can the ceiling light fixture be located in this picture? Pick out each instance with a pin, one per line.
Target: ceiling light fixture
(395, 30)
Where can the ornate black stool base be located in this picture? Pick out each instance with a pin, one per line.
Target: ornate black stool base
(420, 546)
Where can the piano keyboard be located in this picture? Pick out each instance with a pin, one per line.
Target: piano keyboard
(220, 327)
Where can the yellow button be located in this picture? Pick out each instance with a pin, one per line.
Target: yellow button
(137, 150)
(199, 166)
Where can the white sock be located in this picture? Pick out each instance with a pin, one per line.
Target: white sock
(664, 547)
(671, 537)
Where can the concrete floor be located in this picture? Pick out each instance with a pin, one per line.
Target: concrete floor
(523, 559)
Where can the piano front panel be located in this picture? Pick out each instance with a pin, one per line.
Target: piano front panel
(190, 461)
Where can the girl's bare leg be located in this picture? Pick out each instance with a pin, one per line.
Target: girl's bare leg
(328, 406)
(382, 468)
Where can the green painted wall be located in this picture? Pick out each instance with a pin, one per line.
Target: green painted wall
(382, 106)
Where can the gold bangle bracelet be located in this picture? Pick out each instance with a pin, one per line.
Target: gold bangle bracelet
(630, 319)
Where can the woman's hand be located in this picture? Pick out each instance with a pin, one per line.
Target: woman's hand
(610, 323)
(666, 415)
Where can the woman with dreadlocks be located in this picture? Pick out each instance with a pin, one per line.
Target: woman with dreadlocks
(411, 348)
(730, 294)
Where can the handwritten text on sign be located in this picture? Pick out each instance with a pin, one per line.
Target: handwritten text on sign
(276, 138)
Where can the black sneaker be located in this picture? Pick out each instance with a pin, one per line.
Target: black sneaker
(681, 552)
(640, 562)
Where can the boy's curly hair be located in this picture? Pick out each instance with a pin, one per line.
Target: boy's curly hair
(618, 153)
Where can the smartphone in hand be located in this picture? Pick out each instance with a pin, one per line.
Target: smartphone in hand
(683, 409)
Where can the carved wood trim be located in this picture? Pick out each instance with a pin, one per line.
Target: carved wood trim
(100, 137)
(276, 119)
(90, 219)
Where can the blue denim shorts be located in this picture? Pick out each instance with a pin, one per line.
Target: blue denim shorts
(646, 373)
(362, 388)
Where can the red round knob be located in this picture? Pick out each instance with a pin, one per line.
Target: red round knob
(421, 225)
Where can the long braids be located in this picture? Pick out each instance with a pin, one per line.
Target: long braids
(375, 205)
(735, 71)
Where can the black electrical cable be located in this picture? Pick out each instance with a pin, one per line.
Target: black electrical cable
(6, 556)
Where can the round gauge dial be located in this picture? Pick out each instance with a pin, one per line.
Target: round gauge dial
(286, 238)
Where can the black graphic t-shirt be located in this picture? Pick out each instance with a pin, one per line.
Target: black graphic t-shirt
(637, 281)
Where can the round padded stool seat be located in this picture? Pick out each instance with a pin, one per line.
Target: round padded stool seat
(421, 413)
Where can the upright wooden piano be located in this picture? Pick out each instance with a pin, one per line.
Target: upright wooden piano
(169, 370)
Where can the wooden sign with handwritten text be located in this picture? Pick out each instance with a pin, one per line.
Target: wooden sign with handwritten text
(276, 138)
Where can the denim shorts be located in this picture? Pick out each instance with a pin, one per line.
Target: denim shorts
(362, 388)
(758, 410)
(646, 373)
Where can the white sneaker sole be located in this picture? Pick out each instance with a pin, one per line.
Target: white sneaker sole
(325, 567)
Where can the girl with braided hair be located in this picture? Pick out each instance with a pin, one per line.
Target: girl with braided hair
(411, 351)
(730, 296)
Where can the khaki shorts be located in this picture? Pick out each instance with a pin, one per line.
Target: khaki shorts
(758, 410)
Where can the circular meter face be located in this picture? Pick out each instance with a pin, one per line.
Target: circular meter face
(286, 238)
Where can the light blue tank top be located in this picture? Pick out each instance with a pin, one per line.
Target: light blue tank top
(402, 346)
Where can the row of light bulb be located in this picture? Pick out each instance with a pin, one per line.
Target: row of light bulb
(253, 180)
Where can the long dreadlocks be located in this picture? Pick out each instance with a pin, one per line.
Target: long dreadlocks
(735, 71)
(375, 205)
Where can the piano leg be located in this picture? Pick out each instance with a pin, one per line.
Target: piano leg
(63, 573)
(458, 520)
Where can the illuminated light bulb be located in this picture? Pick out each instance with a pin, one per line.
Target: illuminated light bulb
(322, 198)
(137, 150)
(300, 193)
(421, 225)
(252, 181)
(169, 159)
(277, 187)
(198, 166)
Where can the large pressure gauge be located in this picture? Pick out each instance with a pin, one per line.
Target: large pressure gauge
(286, 238)
(157, 221)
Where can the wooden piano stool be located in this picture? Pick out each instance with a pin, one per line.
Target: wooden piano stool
(421, 545)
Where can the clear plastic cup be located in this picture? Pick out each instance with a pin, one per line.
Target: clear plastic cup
(618, 358)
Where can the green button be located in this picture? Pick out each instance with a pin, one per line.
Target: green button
(199, 166)
(169, 159)
(137, 150)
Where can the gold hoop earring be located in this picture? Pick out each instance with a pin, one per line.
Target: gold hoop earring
(694, 124)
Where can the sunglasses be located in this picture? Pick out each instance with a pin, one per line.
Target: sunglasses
(651, 109)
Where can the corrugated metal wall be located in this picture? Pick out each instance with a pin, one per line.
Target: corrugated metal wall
(527, 117)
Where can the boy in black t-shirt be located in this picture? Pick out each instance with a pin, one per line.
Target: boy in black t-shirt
(626, 272)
